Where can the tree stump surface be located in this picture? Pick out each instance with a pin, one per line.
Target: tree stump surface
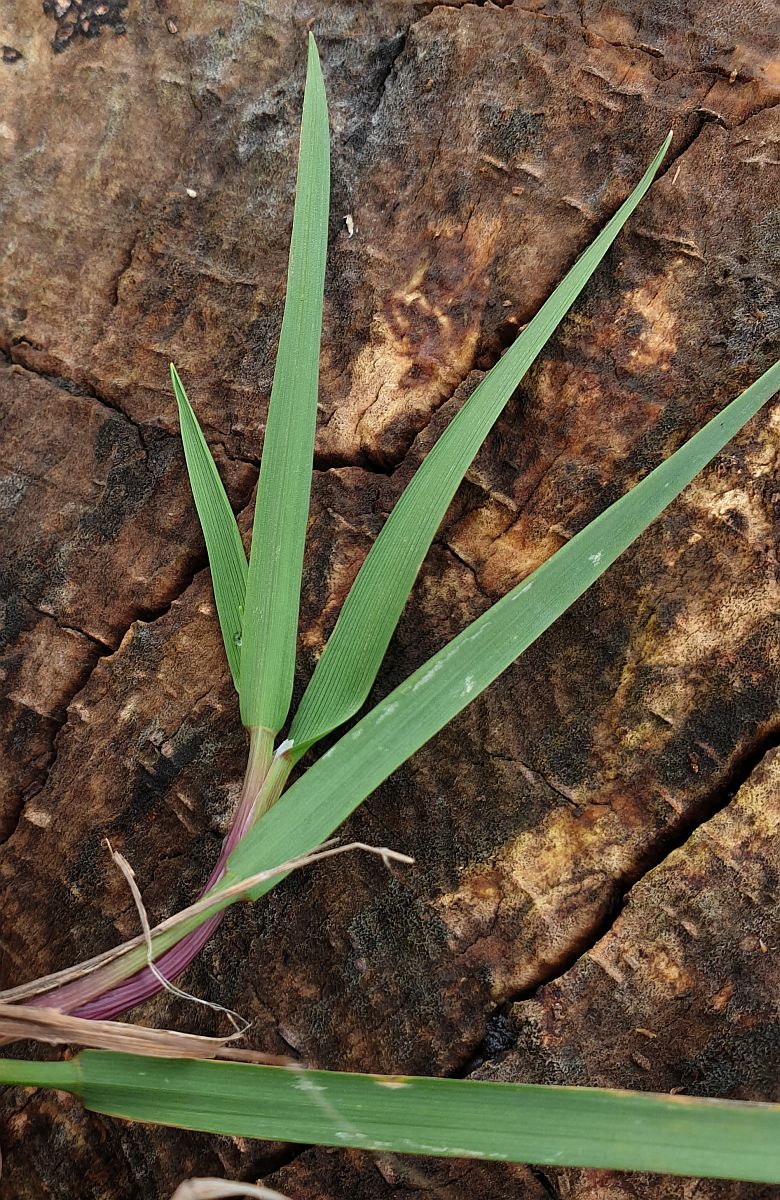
(594, 899)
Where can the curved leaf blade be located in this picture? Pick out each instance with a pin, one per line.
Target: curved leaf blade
(225, 549)
(282, 504)
(351, 659)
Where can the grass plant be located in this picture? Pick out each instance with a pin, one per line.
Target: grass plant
(275, 825)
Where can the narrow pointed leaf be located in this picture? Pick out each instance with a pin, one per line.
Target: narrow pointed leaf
(227, 559)
(351, 659)
(412, 714)
(282, 505)
(461, 1118)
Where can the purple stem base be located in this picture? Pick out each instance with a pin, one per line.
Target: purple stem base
(145, 984)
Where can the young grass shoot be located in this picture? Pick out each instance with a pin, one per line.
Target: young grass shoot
(278, 828)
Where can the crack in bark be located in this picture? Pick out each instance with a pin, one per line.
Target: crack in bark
(702, 118)
(58, 725)
(82, 391)
(389, 68)
(471, 570)
(393, 463)
(700, 123)
(104, 651)
(708, 807)
(536, 777)
(762, 108)
(125, 265)
(545, 1182)
(321, 462)
(99, 644)
(283, 1158)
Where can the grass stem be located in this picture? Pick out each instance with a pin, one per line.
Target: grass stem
(127, 980)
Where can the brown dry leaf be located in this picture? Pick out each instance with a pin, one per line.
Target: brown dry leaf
(19, 1021)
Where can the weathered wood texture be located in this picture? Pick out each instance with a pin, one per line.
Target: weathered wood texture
(147, 185)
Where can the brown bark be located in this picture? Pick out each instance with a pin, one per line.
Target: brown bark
(477, 150)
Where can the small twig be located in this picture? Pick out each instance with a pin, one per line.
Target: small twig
(239, 1023)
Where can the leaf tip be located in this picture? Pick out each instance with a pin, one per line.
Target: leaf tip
(313, 64)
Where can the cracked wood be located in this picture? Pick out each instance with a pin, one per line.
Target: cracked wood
(628, 726)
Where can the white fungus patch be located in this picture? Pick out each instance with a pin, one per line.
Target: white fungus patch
(468, 685)
(386, 712)
(428, 676)
(308, 1085)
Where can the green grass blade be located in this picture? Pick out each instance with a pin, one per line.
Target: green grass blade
(351, 659)
(461, 1118)
(282, 505)
(64, 1076)
(390, 733)
(227, 559)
